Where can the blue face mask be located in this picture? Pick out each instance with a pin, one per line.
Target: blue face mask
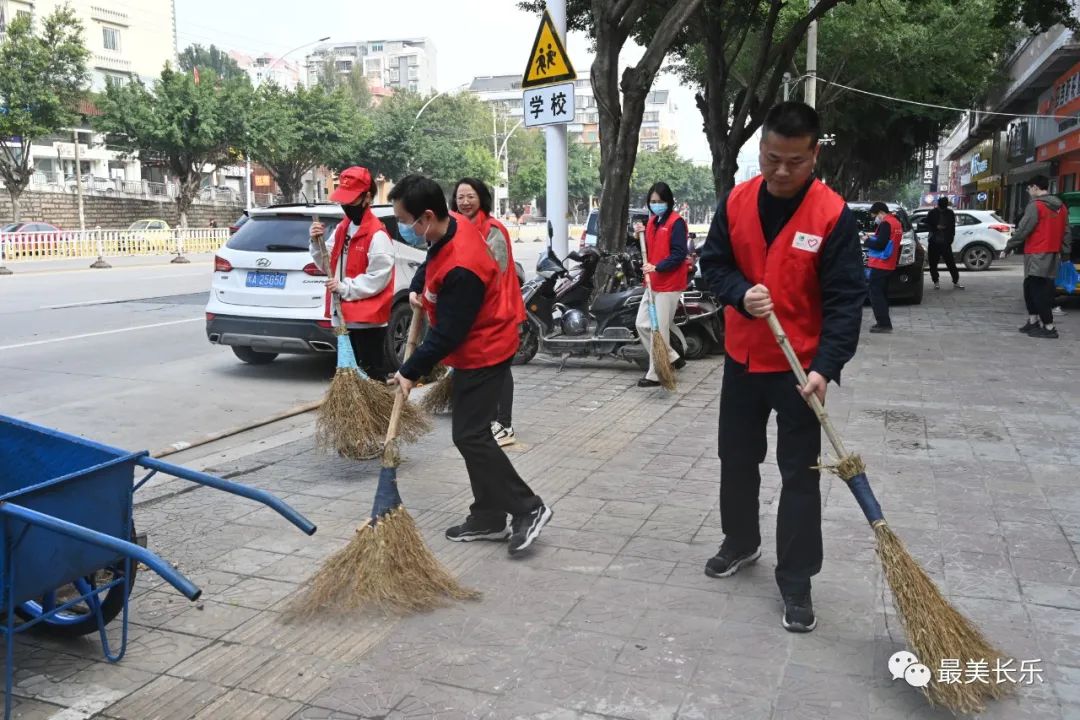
(658, 208)
(410, 236)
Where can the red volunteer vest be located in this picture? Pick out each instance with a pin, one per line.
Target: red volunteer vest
(1049, 231)
(658, 247)
(493, 337)
(511, 288)
(788, 267)
(896, 235)
(374, 310)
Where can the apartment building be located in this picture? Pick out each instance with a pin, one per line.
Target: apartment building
(267, 68)
(407, 64)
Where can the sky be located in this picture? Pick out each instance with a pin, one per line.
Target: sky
(472, 37)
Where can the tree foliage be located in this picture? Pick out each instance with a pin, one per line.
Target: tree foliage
(187, 126)
(210, 58)
(294, 131)
(451, 139)
(690, 184)
(353, 83)
(42, 78)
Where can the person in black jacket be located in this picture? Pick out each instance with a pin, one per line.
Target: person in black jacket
(941, 222)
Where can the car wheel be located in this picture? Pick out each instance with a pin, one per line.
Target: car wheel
(397, 333)
(253, 357)
(977, 257)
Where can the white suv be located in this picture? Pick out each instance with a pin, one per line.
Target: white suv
(981, 236)
(266, 297)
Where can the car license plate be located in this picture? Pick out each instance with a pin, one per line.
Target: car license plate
(272, 280)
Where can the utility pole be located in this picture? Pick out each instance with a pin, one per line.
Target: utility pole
(557, 183)
(78, 181)
(810, 93)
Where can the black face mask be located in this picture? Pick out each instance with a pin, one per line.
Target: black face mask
(355, 213)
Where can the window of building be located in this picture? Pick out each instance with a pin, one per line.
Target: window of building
(651, 116)
(376, 47)
(395, 76)
(414, 73)
(111, 38)
(112, 79)
(22, 13)
(414, 61)
(1068, 183)
(581, 83)
(414, 87)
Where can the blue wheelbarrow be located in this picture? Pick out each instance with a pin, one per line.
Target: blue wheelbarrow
(69, 551)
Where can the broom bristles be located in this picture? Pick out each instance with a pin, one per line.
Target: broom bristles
(386, 567)
(662, 361)
(349, 420)
(936, 630)
(439, 397)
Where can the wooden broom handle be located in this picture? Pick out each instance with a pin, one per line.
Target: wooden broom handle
(335, 299)
(645, 259)
(399, 396)
(800, 374)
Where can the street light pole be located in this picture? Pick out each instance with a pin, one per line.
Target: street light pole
(810, 93)
(557, 191)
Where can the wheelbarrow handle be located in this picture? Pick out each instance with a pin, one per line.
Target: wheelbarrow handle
(283, 508)
(122, 547)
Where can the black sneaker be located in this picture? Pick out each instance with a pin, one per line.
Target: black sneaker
(526, 528)
(473, 529)
(1029, 326)
(729, 560)
(799, 613)
(646, 382)
(679, 364)
(1044, 333)
(880, 329)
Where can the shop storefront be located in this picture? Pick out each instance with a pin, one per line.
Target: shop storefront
(1059, 134)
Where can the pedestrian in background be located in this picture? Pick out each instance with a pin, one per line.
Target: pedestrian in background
(941, 222)
(472, 198)
(361, 270)
(474, 330)
(781, 243)
(1043, 233)
(883, 254)
(665, 261)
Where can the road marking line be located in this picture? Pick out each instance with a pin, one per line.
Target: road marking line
(98, 334)
(81, 304)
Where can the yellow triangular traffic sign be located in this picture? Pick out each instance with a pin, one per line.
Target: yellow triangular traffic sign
(548, 62)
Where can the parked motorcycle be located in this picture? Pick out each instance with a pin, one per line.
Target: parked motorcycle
(560, 322)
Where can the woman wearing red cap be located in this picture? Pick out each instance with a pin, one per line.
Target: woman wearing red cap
(472, 198)
(361, 270)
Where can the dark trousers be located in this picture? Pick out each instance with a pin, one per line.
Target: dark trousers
(1039, 298)
(497, 487)
(505, 413)
(939, 251)
(746, 401)
(878, 287)
(369, 346)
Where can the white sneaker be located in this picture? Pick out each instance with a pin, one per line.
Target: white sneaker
(503, 435)
(1059, 311)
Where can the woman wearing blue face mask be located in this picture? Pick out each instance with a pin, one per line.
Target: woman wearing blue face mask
(665, 246)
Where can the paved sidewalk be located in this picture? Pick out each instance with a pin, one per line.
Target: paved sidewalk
(966, 426)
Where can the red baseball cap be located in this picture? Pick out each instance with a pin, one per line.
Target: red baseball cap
(352, 183)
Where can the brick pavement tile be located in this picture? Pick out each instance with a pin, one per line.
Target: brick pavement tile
(246, 561)
(94, 687)
(209, 619)
(291, 676)
(166, 698)
(244, 705)
(256, 593)
(223, 664)
(717, 703)
(27, 709)
(317, 713)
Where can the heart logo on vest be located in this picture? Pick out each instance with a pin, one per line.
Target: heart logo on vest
(807, 242)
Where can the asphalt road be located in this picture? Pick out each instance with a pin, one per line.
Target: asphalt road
(121, 357)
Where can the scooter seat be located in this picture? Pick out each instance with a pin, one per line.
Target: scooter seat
(610, 302)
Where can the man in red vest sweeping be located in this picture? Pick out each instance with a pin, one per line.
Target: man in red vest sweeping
(781, 243)
(361, 270)
(1043, 232)
(883, 251)
(473, 329)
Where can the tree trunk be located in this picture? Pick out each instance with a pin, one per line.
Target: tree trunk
(15, 192)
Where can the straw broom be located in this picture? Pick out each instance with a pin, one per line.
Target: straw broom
(439, 398)
(357, 408)
(935, 630)
(386, 566)
(661, 357)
